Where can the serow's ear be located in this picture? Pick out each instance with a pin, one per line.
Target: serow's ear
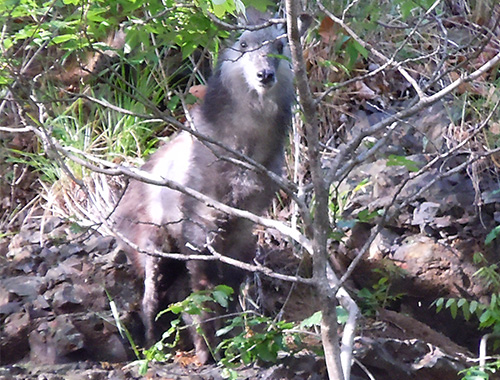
(253, 17)
(304, 22)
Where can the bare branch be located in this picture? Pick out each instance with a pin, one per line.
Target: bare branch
(230, 27)
(141, 175)
(388, 61)
(241, 159)
(214, 256)
(337, 366)
(335, 172)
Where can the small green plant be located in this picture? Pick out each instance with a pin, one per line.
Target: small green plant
(248, 336)
(49, 171)
(487, 314)
(493, 234)
(380, 294)
(487, 272)
(340, 201)
(478, 373)
(410, 165)
(260, 338)
(194, 304)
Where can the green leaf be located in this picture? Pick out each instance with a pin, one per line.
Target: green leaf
(7, 43)
(173, 102)
(5, 80)
(221, 7)
(449, 302)
(478, 258)
(345, 223)
(261, 5)
(439, 304)
(224, 330)
(63, 38)
(352, 53)
(484, 318)
(394, 160)
(240, 7)
(406, 7)
(365, 293)
(360, 49)
(453, 310)
(367, 215)
(474, 374)
(466, 313)
(364, 183)
(176, 308)
(313, 320)
(492, 235)
(342, 315)
(473, 306)
(336, 235)
(97, 15)
(224, 289)
(221, 298)
(265, 352)
(229, 373)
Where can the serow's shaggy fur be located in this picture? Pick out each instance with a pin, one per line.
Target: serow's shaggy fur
(247, 107)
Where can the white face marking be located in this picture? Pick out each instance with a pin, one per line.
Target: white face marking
(255, 60)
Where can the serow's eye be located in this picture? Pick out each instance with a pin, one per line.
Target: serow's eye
(243, 44)
(279, 47)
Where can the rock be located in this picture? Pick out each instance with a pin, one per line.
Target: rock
(406, 359)
(414, 329)
(68, 371)
(71, 249)
(52, 341)
(49, 224)
(14, 339)
(41, 303)
(19, 253)
(66, 298)
(428, 263)
(382, 245)
(99, 244)
(65, 269)
(4, 247)
(425, 213)
(8, 308)
(26, 287)
(102, 340)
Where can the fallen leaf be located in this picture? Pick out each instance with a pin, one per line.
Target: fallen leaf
(327, 30)
(365, 92)
(186, 358)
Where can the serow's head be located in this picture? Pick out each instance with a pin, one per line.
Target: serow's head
(259, 59)
(259, 55)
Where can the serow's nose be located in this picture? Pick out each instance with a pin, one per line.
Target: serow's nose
(266, 76)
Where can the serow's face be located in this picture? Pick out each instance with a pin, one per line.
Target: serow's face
(258, 56)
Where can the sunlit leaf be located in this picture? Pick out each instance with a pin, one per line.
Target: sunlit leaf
(492, 235)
